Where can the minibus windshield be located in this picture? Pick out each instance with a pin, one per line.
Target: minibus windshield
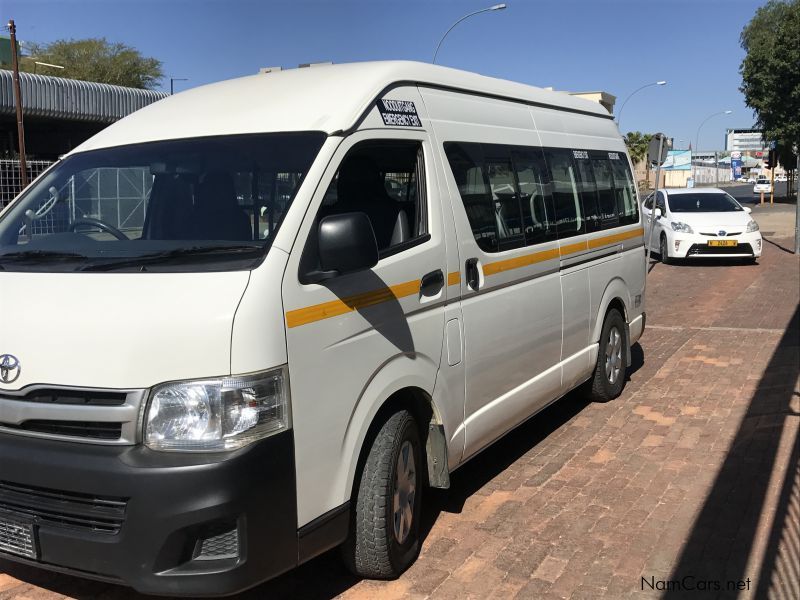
(203, 204)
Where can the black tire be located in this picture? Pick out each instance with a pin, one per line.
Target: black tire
(663, 251)
(373, 548)
(603, 386)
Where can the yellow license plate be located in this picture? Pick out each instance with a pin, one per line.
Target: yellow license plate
(723, 243)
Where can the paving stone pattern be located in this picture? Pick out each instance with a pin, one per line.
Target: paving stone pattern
(690, 473)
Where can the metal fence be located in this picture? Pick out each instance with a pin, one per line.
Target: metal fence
(117, 196)
(10, 183)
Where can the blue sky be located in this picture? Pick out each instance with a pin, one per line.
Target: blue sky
(576, 45)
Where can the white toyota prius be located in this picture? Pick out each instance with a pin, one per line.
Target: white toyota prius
(700, 222)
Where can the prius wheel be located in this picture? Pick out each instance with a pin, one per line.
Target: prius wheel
(663, 251)
(609, 374)
(384, 530)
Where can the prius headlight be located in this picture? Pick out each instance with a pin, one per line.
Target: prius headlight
(682, 227)
(752, 226)
(217, 414)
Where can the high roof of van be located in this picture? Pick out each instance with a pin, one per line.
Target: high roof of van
(327, 98)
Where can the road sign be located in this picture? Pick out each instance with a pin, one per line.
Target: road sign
(657, 149)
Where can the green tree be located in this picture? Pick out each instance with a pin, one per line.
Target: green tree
(771, 69)
(96, 59)
(637, 142)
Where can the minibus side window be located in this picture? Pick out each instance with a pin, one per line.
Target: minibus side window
(627, 207)
(588, 189)
(538, 213)
(565, 192)
(504, 197)
(466, 163)
(385, 179)
(605, 192)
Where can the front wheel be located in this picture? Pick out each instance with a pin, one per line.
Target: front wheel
(384, 531)
(609, 374)
(663, 250)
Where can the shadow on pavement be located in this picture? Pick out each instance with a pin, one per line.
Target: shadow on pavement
(724, 534)
(778, 246)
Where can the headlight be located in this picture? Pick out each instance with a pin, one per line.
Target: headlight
(752, 226)
(218, 414)
(682, 227)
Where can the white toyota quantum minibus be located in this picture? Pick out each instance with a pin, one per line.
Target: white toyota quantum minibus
(253, 321)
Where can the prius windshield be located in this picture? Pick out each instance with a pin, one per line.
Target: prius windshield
(708, 202)
(182, 205)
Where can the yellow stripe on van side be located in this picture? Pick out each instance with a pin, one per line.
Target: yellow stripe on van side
(519, 261)
(617, 237)
(334, 308)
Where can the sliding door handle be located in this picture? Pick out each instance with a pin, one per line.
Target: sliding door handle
(471, 273)
(432, 283)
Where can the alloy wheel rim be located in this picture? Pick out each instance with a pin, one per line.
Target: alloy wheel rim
(405, 490)
(613, 355)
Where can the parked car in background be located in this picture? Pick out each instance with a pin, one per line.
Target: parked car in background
(697, 223)
(782, 178)
(762, 185)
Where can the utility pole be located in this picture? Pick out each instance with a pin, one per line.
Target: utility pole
(23, 167)
(797, 206)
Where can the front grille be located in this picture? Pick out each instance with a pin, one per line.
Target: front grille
(706, 250)
(16, 538)
(66, 509)
(78, 429)
(73, 397)
(221, 546)
(727, 234)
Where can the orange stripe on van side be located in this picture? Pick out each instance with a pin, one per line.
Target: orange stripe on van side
(517, 262)
(334, 308)
(617, 237)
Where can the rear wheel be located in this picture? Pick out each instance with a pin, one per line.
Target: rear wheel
(384, 531)
(609, 373)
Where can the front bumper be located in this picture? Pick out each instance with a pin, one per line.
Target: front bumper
(165, 505)
(684, 245)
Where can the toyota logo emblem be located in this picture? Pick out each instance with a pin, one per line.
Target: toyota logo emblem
(722, 233)
(9, 368)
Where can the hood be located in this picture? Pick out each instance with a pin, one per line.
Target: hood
(716, 219)
(117, 330)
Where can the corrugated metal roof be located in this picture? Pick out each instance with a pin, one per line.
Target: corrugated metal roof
(59, 98)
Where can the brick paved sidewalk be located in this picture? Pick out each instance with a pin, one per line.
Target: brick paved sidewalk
(690, 473)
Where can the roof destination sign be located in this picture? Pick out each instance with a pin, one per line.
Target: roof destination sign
(399, 113)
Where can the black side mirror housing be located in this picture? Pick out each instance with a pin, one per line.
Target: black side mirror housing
(346, 244)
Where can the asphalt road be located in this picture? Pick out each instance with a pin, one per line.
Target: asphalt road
(744, 192)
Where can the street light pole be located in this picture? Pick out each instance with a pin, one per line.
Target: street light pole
(477, 12)
(172, 81)
(697, 137)
(647, 85)
(23, 166)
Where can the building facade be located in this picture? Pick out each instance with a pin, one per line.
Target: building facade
(744, 140)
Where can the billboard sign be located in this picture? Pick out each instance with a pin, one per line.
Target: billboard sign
(736, 166)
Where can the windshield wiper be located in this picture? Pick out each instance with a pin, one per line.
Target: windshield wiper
(171, 256)
(46, 255)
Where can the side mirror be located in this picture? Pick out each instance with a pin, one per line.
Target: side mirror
(346, 244)
(658, 213)
(747, 209)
